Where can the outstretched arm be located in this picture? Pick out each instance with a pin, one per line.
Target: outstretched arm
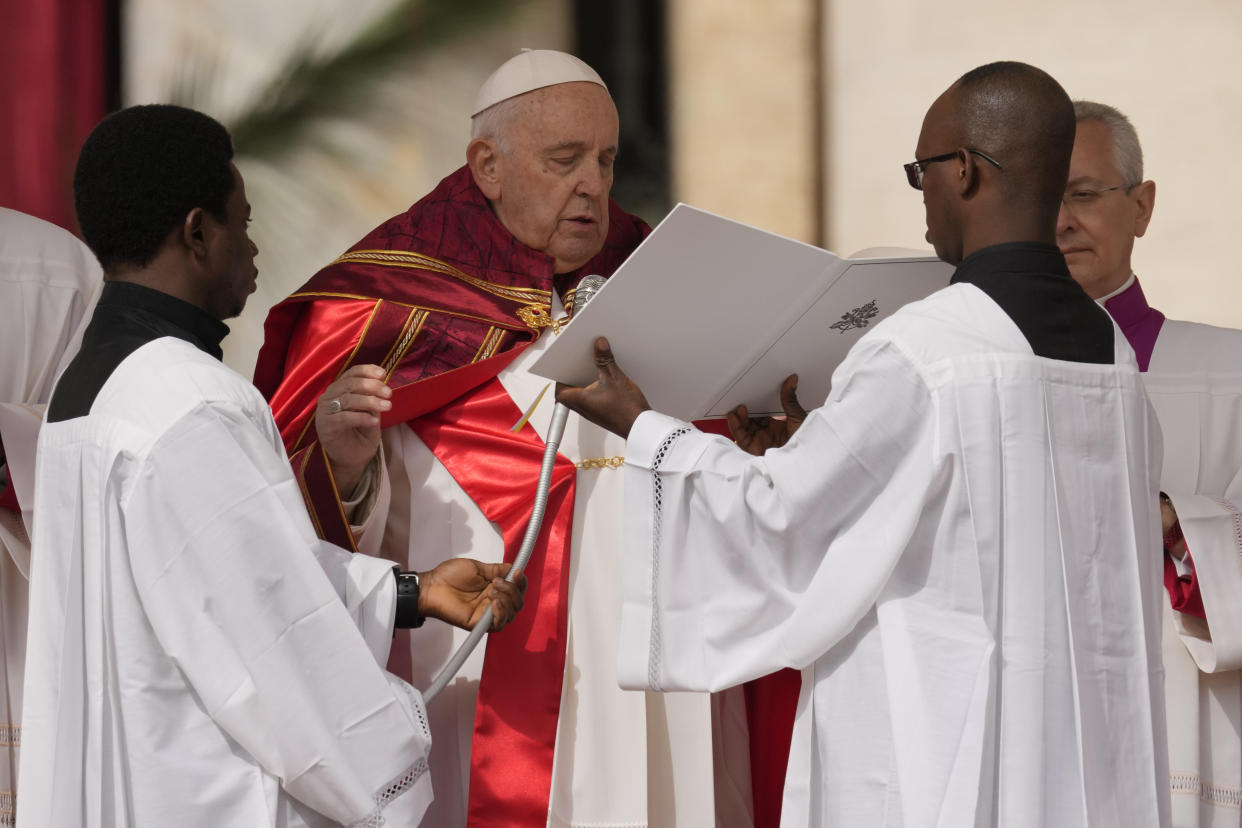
(459, 590)
(613, 401)
(758, 434)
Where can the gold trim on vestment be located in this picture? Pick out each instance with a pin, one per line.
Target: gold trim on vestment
(344, 367)
(413, 324)
(306, 497)
(327, 294)
(490, 344)
(404, 258)
(538, 317)
(526, 415)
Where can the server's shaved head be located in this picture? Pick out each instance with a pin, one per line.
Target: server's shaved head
(1011, 126)
(1021, 114)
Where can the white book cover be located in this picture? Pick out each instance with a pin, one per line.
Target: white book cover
(708, 313)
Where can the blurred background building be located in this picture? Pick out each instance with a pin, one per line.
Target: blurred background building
(793, 115)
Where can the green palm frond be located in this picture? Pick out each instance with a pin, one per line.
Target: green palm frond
(312, 85)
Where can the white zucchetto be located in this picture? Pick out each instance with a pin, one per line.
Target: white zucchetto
(529, 70)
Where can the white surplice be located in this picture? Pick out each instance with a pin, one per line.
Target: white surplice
(622, 758)
(954, 549)
(197, 657)
(48, 283)
(1194, 381)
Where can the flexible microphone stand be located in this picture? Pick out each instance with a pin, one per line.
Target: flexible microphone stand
(586, 290)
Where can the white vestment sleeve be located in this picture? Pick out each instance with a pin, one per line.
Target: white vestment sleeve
(1213, 530)
(369, 590)
(219, 541)
(369, 529)
(19, 429)
(736, 565)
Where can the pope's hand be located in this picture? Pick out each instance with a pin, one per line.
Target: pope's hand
(758, 434)
(459, 590)
(347, 419)
(613, 401)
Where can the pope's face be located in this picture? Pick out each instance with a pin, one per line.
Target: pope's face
(552, 184)
(1097, 227)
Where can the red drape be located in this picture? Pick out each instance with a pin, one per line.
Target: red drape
(54, 88)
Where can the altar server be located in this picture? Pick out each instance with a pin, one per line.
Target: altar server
(955, 548)
(196, 656)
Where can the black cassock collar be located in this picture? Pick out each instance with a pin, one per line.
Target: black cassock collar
(127, 317)
(1032, 284)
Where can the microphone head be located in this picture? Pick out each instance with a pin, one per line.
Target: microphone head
(585, 292)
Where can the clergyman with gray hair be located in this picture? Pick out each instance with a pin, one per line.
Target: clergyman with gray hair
(453, 299)
(1194, 381)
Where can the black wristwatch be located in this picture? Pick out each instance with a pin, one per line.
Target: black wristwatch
(407, 600)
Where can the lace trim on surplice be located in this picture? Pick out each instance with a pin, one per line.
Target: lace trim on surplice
(406, 780)
(420, 709)
(657, 523)
(391, 791)
(1237, 523)
(1221, 796)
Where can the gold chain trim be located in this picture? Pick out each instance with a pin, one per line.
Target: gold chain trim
(614, 462)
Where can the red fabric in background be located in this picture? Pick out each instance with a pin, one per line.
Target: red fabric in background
(53, 90)
(771, 702)
(8, 500)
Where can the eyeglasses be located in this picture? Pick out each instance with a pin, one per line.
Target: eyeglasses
(1084, 198)
(914, 170)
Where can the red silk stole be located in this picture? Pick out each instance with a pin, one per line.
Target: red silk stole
(520, 690)
(464, 416)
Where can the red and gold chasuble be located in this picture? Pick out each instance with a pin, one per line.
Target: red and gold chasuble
(443, 297)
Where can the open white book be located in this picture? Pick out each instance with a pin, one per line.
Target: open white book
(708, 313)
